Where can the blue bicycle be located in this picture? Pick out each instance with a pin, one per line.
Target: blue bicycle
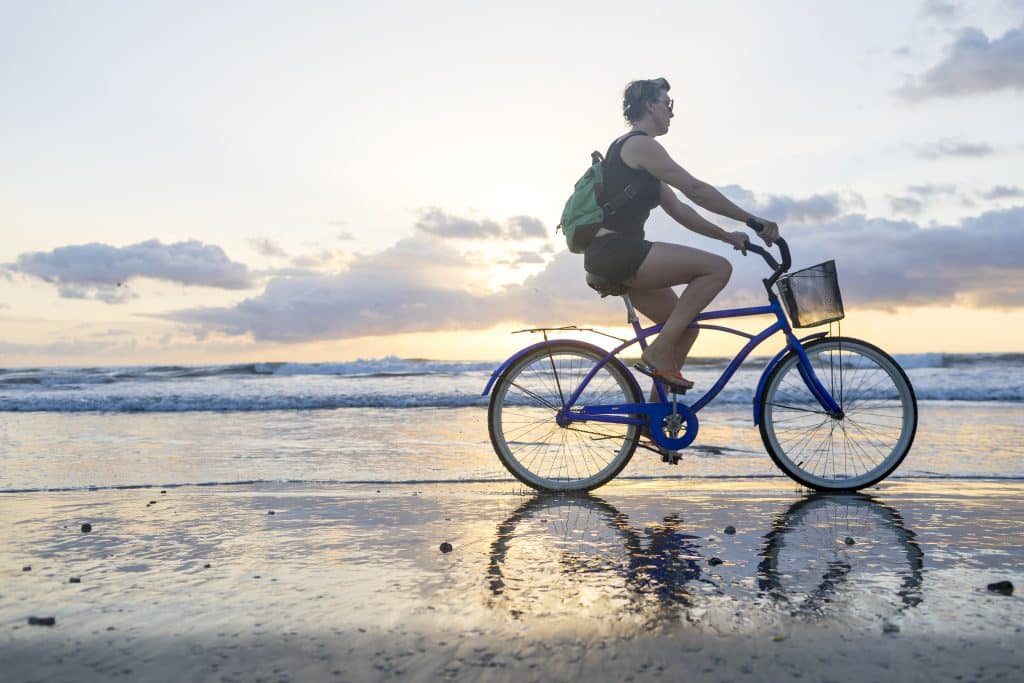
(835, 413)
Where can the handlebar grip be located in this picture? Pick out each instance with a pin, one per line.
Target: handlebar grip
(760, 251)
(755, 225)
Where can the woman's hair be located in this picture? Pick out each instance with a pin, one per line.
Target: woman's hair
(639, 92)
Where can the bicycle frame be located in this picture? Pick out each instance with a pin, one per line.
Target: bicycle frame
(625, 413)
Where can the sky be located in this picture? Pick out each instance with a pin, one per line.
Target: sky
(194, 182)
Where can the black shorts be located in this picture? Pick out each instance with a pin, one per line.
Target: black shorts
(615, 257)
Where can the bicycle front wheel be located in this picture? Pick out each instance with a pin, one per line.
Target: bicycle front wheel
(847, 453)
(527, 400)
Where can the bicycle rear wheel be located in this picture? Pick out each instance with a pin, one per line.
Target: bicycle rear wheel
(845, 453)
(531, 393)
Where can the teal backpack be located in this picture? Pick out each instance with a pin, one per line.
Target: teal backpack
(585, 211)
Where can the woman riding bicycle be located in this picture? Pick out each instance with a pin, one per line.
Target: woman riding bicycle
(620, 253)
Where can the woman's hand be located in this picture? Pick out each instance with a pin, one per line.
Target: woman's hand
(737, 239)
(770, 232)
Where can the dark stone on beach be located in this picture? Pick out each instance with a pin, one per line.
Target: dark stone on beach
(849, 540)
(152, 502)
(86, 528)
(75, 579)
(715, 561)
(889, 627)
(271, 512)
(42, 621)
(163, 492)
(446, 547)
(730, 530)
(1001, 587)
(206, 566)
(27, 568)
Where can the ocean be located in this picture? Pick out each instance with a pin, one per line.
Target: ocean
(392, 419)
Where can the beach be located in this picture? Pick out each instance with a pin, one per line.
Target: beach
(302, 523)
(640, 581)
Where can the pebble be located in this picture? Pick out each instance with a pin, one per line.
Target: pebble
(152, 502)
(163, 492)
(889, 627)
(271, 512)
(715, 561)
(849, 540)
(86, 528)
(206, 566)
(446, 547)
(27, 568)
(42, 621)
(1002, 587)
(75, 579)
(730, 530)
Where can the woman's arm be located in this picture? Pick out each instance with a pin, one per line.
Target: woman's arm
(645, 153)
(691, 220)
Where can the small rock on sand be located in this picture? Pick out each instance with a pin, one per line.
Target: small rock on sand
(1002, 587)
(715, 561)
(849, 540)
(75, 579)
(889, 627)
(446, 547)
(730, 530)
(271, 512)
(206, 566)
(86, 528)
(27, 568)
(42, 621)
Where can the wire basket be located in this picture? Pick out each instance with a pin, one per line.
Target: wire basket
(812, 296)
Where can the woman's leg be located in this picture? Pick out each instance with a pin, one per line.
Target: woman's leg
(658, 304)
(704, 275)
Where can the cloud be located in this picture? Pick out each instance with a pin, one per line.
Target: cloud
(931, 190)
(525, 227)
(940, 9)
(784, 209)
(418, 285)
(267, 247)
(100, 271)
(434, 221)
(973, 64)
(907, 206)
(1003, 192)
(947, 147)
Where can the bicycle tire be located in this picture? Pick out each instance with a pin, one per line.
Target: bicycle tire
(526, 400)
(875, 433)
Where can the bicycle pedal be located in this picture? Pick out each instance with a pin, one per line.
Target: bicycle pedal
(670, 458)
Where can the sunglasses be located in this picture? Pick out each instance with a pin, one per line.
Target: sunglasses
(667, 101)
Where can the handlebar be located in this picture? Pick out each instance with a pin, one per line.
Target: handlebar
(777, 268)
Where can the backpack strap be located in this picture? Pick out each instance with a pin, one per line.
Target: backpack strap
(628, 192)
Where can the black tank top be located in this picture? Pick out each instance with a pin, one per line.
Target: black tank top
(628, 220)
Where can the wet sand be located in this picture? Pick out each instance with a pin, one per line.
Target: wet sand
(641, 581)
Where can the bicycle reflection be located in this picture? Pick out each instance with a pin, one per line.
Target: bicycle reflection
(845, 550)
(579, 556)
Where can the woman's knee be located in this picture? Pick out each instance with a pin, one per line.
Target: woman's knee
(721, 269)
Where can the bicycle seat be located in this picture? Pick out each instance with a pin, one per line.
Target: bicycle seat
(604, 286)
